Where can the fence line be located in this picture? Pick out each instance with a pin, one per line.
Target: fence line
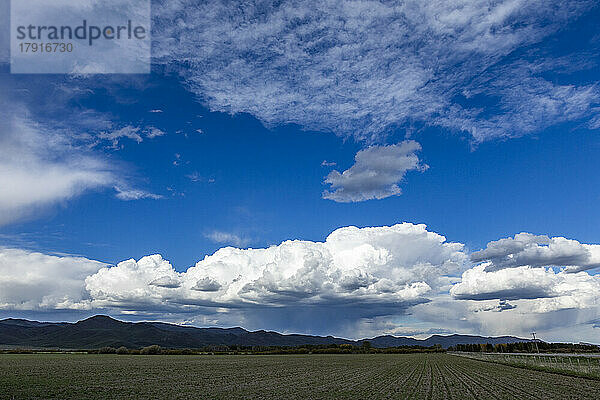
(580, 364)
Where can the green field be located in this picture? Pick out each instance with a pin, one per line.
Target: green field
(576, 365)
(411, 376)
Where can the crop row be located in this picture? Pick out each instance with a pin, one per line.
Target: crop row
(576, 365)
(375, 376)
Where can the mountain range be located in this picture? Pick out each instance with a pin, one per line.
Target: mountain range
(100, 330)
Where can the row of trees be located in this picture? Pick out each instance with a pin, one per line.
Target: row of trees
(526, 347)
(154, 349)
(364, 348)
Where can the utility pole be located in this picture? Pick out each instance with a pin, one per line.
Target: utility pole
(535, 341)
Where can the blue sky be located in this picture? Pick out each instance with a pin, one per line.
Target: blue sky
(268, 183)
(480, 123)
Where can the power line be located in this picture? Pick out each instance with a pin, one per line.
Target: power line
(535, 341)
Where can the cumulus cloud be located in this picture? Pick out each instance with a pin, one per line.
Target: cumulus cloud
(131, 283)
(519, 300)
(207, 285)
(299, 285)
(398, 265)
(359, 68)
(572, 316)
(166, 281)
(36, 281)
(527, 298)
(376, 173)
(539, 251)
(392, 325)
(506, 284)
(518, 276)
(505, 305)
(400, 279)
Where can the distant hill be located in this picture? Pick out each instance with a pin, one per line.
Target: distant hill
(101, 330)
(444, 341)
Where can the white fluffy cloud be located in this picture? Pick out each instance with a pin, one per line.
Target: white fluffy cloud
(36, 281)
(376, 173)
(515, 287)
(359, 281)
(361, 67)
(130, 284)
(491, 317)
(395, 266)
(558, 305)
(552, 290)
(539, 251)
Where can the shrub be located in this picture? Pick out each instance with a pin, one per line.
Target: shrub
(154, 349)
(107, 350)
(122, 350)
(177, 352)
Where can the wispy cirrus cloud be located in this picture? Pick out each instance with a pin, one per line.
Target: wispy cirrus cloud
(128, 194)
(362, 68)
(231, 238)
(40, 167)
(134, 133)
(151, 132)
(128, 131)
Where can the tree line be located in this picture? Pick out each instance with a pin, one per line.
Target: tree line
(364, 348)
(526, 347)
